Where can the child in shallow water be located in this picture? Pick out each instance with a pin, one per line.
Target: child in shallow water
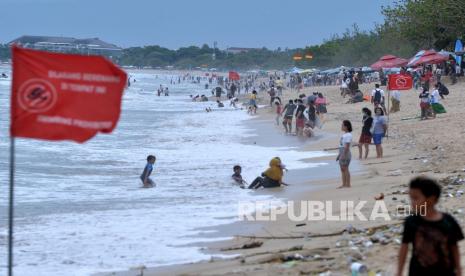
(145, 176)
(237, 177)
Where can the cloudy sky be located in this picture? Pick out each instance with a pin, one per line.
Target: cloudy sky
(177, 23)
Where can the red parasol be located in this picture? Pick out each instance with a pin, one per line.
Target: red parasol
(234, 75)
(427, 57)
(389, 61)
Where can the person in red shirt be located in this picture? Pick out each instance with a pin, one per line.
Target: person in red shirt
(426, 78)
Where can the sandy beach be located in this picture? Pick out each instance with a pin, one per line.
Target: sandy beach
(413, 148)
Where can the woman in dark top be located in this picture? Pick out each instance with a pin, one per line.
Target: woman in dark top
(365, 137)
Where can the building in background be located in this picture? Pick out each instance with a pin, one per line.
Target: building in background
(86, 46)
(238, 50)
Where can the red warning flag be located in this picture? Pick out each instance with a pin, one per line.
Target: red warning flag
(400, 82)
(58, 96)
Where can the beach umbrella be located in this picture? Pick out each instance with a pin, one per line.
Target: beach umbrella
(389, 61)
(233, 75)
(366, 69)
(427, 57)
(295, 70)
(297, 56)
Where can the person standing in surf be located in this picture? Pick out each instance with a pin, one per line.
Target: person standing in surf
(345, 155)
(145, 176)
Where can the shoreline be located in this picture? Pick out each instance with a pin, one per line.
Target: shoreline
(262, 124)
(414, 147)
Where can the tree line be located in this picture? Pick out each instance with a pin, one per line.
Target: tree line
(409, 25)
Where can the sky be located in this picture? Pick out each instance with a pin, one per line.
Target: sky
(180, 23)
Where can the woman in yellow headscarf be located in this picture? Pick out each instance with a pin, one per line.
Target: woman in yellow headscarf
(272, 177)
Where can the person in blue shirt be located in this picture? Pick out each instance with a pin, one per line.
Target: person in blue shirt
(145, 176)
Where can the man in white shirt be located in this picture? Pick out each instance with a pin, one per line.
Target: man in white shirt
(377, 97)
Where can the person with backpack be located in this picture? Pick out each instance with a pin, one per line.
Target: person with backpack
(377, 97)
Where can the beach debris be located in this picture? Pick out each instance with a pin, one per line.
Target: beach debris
(418, 157)
(358, 268)
(293, 257)
(271, 258)
(379, 197)
(457, 212)
(368, 244)
(399, 192)
(249, 245)
(351, 230)
(355, 255)
(289, 264)
(300, 224)
(395, 173)
(296, 248)
(327, 273)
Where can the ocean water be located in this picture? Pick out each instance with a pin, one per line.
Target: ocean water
(80, 209)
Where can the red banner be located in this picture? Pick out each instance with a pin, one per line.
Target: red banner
(64, 97)
(400, 82)
(234, 75)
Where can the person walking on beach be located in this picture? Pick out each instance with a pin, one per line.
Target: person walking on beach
(278, 111)
(377, 97)
(321, 110)
(300, 118)
(379, 130)
(288, 114)
(395, 101)
(272, 94)
(145, 176)
(218, 92)
(434, 235)
(424, 104)
(345, 155)
(312, 114)
(253, 103)
(366, 135)
(279, 86)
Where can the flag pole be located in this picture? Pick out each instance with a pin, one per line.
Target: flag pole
(388, 111)
(10, 208)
